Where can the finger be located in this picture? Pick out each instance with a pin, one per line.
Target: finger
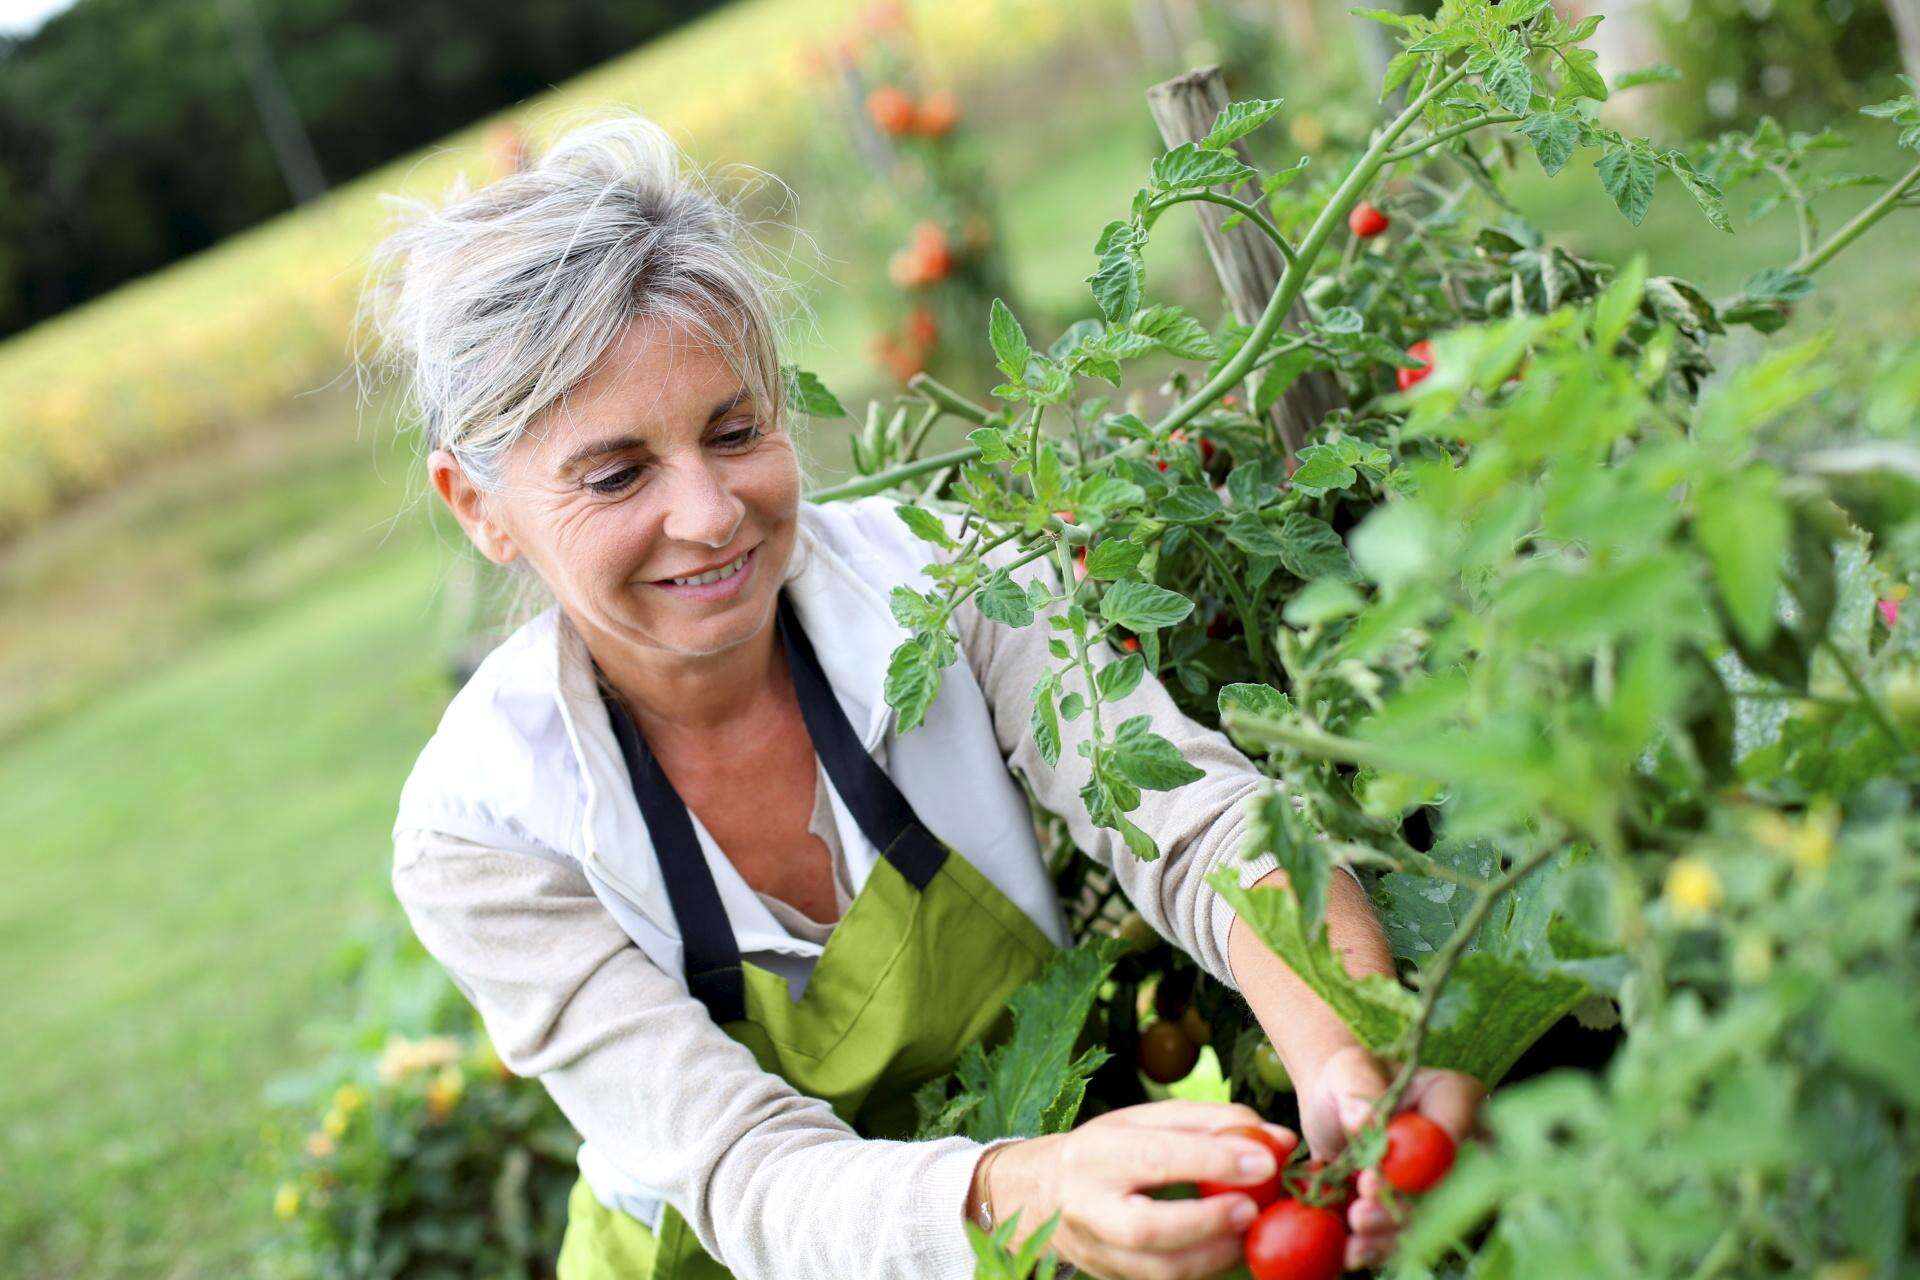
(1197, 1263)
(1134, 1158)
(1187, 1113)
(1448, 1098)
(1368, 1216)
(1142, 1224)
(1368, 1251)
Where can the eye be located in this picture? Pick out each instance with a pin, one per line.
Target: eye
(740, 435)
(614, 482)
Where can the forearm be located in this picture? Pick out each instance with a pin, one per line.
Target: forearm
(1303, 1029)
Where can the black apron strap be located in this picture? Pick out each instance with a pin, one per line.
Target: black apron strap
(711, 956)
(885, 816)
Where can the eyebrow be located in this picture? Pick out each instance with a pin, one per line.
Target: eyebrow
(614, 444)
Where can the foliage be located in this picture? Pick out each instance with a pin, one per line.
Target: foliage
(103, 184)
(429, 1157)
(1583, 653)
(247, 326)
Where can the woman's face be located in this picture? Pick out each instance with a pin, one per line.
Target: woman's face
(658, 502)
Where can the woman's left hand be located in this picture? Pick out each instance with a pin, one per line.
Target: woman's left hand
(1338, 1103)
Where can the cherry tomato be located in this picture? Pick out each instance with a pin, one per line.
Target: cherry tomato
(1421, 351)
(1271, 1070)
(1166, 1055)
(890, 109)
(1268, 1190)
(1366, 221)
(936, 114)
(1419, 1153)
(1294, 1241)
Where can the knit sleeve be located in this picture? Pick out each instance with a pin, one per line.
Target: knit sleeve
(772, 1183)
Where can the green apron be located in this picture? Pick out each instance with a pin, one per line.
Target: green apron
(919, 967)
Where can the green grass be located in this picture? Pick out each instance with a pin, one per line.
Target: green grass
(213, 683)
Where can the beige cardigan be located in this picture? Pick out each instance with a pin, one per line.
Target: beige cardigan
(771, 1182)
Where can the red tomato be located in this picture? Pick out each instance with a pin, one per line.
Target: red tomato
(1421, 351)
(890, 109)
(1419, 1153)
(1264, 1192)
(937, 115)
(1080, 565)
(1166, 1055)
(1366, 221)
(923, 327)
(1130, 643)
(1294, 1241)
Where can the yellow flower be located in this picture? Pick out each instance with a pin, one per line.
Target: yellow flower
(349, 1098)
(1808, 841)
(335, 1123)
(402, 1059)
(443, 1095)
(1693, 890)
(286, 1201)
(320, 1145)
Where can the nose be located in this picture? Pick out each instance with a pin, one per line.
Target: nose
(700, 506)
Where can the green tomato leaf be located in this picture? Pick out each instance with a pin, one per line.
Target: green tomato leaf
(1142, 606)
(1116, 282)
(991, 442)
(1032, 1080)
(1743, 526)
(1146, 759)
(1324, 467)
(1190, 166)
(1175, 332)
(1113, 558)
(1004, 600)
(1309, 548)
(807, 394)
(913, 676)
(1627, 172)
(1238, 119)
(926, 526)
(1045, 721)
(1118, 679)
(1011, 350)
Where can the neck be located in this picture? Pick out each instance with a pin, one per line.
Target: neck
(672, 694)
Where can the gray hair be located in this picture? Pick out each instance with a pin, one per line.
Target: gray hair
(495, 305)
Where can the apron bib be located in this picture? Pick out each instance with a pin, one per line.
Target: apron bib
(919, 967)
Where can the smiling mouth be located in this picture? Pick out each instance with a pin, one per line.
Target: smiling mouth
(720, 574)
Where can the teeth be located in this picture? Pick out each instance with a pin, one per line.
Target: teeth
(712, 575)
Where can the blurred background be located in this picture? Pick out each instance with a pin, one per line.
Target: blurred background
(230, 616)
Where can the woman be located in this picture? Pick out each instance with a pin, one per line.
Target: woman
(667, 841)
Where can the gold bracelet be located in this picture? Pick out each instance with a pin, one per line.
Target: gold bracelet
(986, 1188)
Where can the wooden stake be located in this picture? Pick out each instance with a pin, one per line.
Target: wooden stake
(1247, 263)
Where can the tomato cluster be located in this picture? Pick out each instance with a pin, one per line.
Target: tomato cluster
(1300, 1232)
(895, 113)
(927, 259)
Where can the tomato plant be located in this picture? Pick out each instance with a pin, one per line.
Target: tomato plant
(1584, 674)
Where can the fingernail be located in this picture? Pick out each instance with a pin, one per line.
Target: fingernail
(1243, 1213)
(1256, 1166)
(1354, 1111)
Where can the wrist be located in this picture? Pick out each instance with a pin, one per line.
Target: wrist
(980, 1207)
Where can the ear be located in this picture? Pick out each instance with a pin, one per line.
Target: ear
(469, 506)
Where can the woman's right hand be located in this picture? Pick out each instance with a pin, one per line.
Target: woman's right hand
(1095, 1177)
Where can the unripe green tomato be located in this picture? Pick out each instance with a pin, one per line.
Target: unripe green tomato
(1272, 1071)
(1196, 1027)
